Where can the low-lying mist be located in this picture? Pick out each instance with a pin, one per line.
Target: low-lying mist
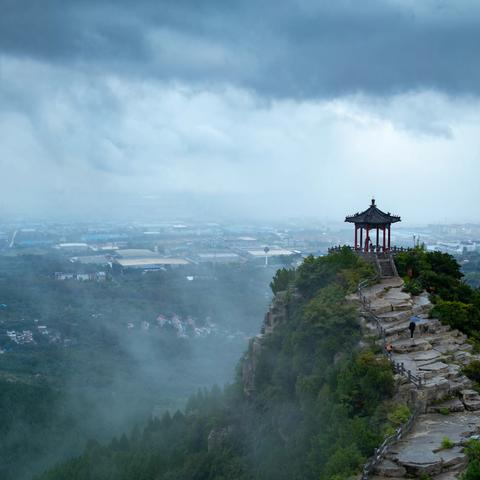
(115, 352)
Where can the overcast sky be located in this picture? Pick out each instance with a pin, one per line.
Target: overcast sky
(255, 109)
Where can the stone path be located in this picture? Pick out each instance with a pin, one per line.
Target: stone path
(448, 407)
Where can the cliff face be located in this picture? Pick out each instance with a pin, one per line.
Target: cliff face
(276, 315)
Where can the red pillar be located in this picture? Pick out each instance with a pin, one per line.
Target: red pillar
(361, 238)
(388, 238)
(384, 238)
(355, 237)
(367, 239)
(376, 249)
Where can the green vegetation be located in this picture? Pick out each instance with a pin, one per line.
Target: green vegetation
(318, 409)
(106, 378)
(447, 443)
(472, 371)
(455, 303)
(472, 450)
(281, 280)
(425, 476)
(399, 415)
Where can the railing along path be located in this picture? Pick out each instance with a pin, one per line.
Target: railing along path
(380, 452)
(399, 367)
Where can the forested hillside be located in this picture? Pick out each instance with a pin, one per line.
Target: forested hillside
(321, 403)
(320, 399)
(102, 356)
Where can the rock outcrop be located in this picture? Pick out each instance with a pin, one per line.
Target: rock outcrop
(448, 406)
(276, 315)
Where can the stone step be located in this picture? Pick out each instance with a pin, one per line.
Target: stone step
(424, 358)
(397, 328)
(402, 307)
(462, 357)
(390, 469)
(471, 399)
(397, 295)
(436, 388)
(453, 405)
(454, 371)
(411, 345)
(381, 306)
(421, 304)
(459, 384)
(433, 369)
(395, 316)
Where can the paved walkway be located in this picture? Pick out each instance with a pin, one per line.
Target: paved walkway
(448, 405)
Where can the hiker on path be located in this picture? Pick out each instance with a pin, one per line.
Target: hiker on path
(412, 327)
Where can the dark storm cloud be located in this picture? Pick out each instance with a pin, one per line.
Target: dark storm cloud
(285, 49)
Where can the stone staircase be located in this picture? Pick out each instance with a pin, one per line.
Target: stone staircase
(446, 403)
(383, 263)
(385, 266)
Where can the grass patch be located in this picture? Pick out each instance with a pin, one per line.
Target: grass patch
(447, 443)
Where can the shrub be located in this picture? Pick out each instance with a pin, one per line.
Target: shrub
(472, 450)
(447, 443)
(414, 287)
(459, 315)
(399, 415)
(472, 371)
(281, 280)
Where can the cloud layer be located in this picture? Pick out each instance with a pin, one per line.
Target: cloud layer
(297, 108)
(296, 48)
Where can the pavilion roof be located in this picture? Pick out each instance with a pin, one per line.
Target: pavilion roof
(373, 216)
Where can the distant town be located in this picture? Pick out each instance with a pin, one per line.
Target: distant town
(96, 249)
(100, 253)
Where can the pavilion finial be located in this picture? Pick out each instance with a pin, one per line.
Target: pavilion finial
(373, 201)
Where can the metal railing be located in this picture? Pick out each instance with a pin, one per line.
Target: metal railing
(372, 249)
(381, 451)
(398, 367)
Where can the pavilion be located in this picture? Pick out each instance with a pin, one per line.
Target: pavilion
(368, 225)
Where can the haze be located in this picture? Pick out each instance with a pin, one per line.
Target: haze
(248, 109)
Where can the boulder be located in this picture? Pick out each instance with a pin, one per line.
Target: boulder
(471, 399)
(389, 469)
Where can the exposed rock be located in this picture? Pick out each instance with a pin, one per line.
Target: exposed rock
(420, 452)
(434, 355)
(249, 365)
(389, 469)
(432, 369)
(471, 399)
(276, 314)
(395, 316)
(453, 405)
(411, 345)
(426, 357)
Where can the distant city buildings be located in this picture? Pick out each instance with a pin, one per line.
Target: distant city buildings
(142, 247)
